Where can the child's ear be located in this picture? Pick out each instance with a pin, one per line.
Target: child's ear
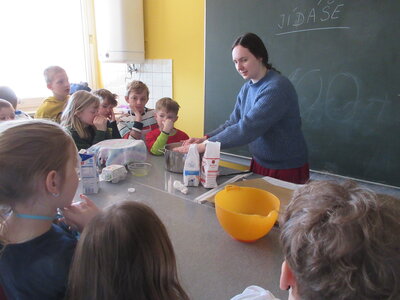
(126, 99)
(49, 86)
(176, 119)
(287, 279)
(52, 182)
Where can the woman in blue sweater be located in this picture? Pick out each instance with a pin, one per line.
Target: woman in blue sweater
(266, 116)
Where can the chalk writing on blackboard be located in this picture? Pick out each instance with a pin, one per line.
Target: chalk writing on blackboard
(340, 96)
(315, 18)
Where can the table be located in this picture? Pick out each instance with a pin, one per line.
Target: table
(211, 265)
(161, 179)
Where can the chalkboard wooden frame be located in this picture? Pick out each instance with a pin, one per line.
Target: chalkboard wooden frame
(343, 58)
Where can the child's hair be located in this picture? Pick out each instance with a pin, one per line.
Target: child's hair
(125, 253)
(342, 242)
(5, 104)
(49, 73)
(168, 105)
(77, 103)
(137, 87)
(106, 96)
(29, 149)
(8, 94)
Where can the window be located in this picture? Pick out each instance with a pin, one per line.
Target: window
(38, 34)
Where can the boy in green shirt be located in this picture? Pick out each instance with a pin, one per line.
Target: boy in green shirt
(166, 115)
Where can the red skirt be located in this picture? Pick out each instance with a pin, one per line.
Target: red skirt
(2, 294)
(296, 175)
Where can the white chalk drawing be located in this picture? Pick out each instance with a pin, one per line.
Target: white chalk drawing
(331, 97)
(316, 18)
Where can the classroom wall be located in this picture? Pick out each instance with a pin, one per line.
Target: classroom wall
(174, 29)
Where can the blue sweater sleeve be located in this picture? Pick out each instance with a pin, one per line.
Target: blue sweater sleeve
(258, 108)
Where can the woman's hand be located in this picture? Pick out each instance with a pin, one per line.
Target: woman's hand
(79, 214)
(100, 123)
(194, 141)
(185, 148)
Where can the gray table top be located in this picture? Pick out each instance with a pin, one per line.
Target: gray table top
(161, 179)
(211, 264)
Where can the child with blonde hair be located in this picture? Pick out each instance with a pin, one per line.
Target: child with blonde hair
(108, 101)
(7, 111)
(38, 162)
(52, 107)
(125, 253)
(139, 120)
(81, 118)
(166, 116)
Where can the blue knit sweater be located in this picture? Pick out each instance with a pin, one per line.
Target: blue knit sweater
(267, 118)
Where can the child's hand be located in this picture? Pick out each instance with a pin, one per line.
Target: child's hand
(79, 214)
(100, 123)
(112, 115)
(135, 134)
(138, 115)
(168, 124)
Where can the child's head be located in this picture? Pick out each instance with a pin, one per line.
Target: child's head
(166, 108)
(80, 112)
(8, 94)
(340, 242)
(7, 111)
(57, 81)
(125, 253)
(32, 153)
(108, 101)
(137, 95)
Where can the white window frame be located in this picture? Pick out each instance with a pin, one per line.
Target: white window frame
(30, 105)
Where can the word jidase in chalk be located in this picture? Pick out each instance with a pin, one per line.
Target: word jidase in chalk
(316, 15)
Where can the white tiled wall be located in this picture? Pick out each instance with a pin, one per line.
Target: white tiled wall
(155, 73)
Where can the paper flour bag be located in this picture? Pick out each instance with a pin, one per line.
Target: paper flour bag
(209, 165)
(191, 169)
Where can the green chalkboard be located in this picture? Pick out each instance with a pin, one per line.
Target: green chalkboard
(343, 58)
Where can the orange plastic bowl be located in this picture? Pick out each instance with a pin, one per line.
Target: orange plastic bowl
(245, 213)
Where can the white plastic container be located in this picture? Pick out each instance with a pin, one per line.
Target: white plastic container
(191, 169)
